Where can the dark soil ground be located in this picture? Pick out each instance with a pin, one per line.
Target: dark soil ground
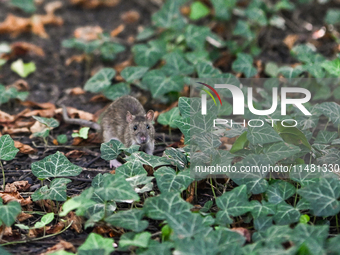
(52, 78)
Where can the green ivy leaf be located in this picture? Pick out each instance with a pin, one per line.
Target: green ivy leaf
(323, 196)
(49, 122)
(25, 5)
(44, 133)
(7, 148)
(117, 90)
(146, 159)
(22, 69)
(169, 181)
(131, 168)
(169, 16)
(57, 190)
(116, 188)
(332, 16)
(198, 10)
(286, 214)
(262, 135)
(100, 81)
(129, 219)
(332, 66)
(195, 36)
(159, 84)
(109, 50)
(240, 143)
(243, 29)
(168, 118)
(206, 70)
(146, 33)
(257, 15)
(83, 133)
(176, 64)
(132, 73)
(223, 8)
(134, 239)
(46, 219)
(330, 110)
(176, 157)
(325, 137)
(292, 135)
(244, 64)
(56, 165)
(232, 203)
(280, 191)
(111, 149)
(9, 212)
(148, 54)
(96, 244)
(275, 152)
(290, 72)
(62, 139)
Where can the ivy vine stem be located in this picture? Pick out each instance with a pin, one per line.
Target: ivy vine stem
(3, 176)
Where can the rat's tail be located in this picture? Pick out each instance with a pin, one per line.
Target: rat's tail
(80, 122)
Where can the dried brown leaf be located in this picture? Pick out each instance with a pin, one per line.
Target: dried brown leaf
(24, 148)
(15, 196)
(24, 216)
(75, 58)
(17, 186)
(77, 222)
(91, 4)
(117, 30)
(290, 40)
(61, 246)
(130, 16)
(88, 33)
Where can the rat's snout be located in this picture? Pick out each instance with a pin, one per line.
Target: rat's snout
(143, 139)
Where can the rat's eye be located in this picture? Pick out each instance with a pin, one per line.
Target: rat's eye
(147, 126)
(135, 127)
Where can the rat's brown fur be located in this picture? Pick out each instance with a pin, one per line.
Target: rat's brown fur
(124, 120)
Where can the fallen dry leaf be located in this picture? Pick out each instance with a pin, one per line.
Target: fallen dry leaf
(45, 109)
(17, 186)
(75, 91)
(23, 216)
(120, 67)
(88, 33)
(91, 4)
(20, 85)
(98, 98)
(14, 196)
(75, 154)
(15, 25)
(75, 113)
(37, 127)
(244, 232)
(24, 148)
(117, 30)
(77, 222)
(13, 131)
(5, 117)
(76, 58)
(56, 228)
(130, 16)
(290, 40)
(51, 7)
(61, 246)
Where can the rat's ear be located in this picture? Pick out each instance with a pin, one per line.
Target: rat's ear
(150, 114)
(130, 117)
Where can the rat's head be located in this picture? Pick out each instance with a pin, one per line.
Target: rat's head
(141, 127)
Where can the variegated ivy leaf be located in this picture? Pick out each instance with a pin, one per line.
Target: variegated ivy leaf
(169, 16)
(111, 149)
(262, 209)
(147, 159)
(9, 212)
(262, 223)
(168, 118)
(332, 66)
(56, 165)
(286, 214)
(195, 36)
(262, 135)
(165, 205)
(169, 181)
(96, 244)
(135, 239)
(49, 122)
(141, 183)
(280, 191)
(233, 203)
(116, 188)
(131, 168)
(56, 191)
(7, 148)
(331, 110)
(325, 136)
(132, 73)
(100, 81)
(148, 54)
(176, 157)
(244, 64)
(117, 90)
(323, 196)
(176, 64)
(275, 152)
(160, 84)
(129, 219)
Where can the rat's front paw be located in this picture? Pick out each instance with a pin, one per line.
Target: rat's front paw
(115, 163)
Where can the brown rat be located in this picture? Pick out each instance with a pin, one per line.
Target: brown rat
(124, 120)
